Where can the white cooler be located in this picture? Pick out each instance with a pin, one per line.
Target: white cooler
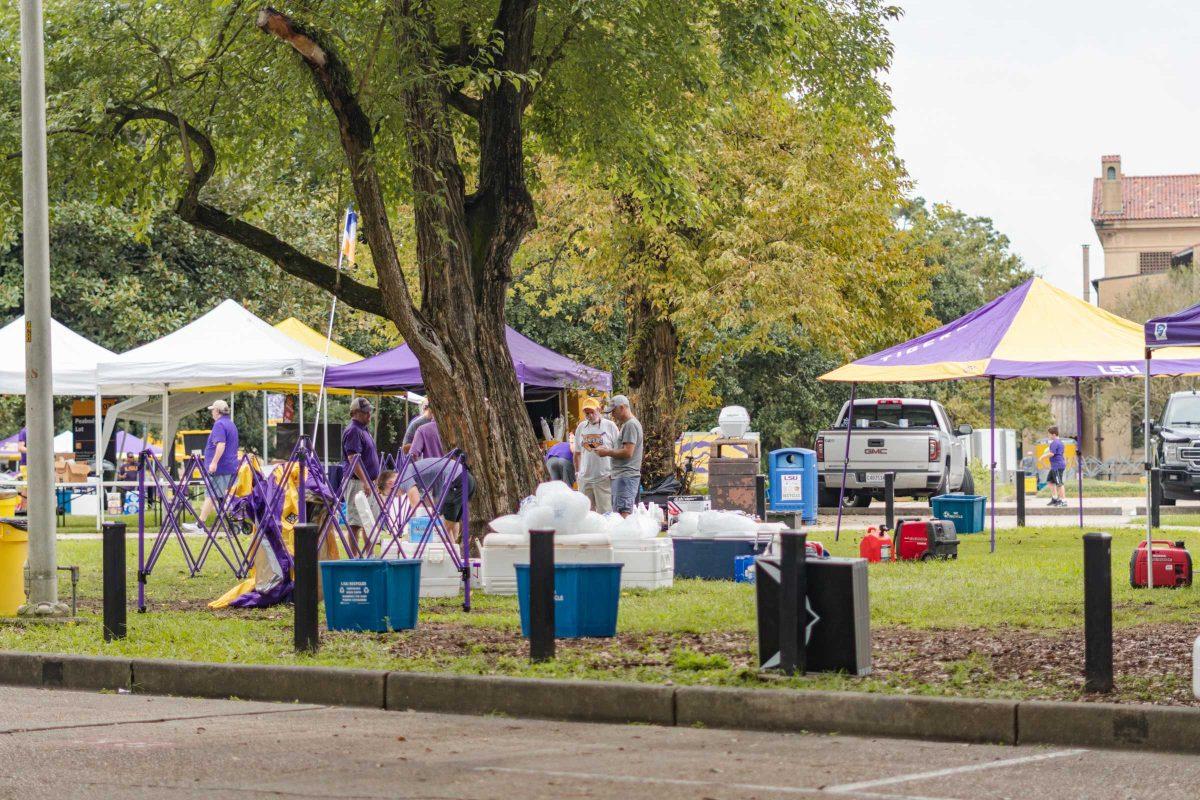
(439, 578)
(649, 563)
(503, 551)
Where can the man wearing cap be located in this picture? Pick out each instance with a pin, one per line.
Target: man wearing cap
(220, 458)
(594, 472)
(357, 440)
(626, 455)
(418, 421)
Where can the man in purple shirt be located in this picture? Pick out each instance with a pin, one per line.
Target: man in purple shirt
(220, 459)
(357, 440)
(427, 441)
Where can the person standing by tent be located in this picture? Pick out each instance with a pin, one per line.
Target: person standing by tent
(357, 440)
(23, 445)
(427, 441)
(416, 424)
(1058, 463)
(594, 471)
(626, 455)
(220, 459)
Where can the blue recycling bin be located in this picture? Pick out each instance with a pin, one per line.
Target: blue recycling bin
(355, 594)
(586, 599)
(403, 593)
(792, 482)
(966, 511)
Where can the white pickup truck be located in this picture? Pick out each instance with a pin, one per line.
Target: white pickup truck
(915, 439)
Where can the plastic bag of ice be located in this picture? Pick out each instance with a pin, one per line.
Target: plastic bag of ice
(510, 524)
(686, 524)
(545, 491)
(539, 518)
(592, 523)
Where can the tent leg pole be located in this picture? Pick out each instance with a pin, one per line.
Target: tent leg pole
(992, 449)
(100, 446)
(1148, 457)
(837, 534)
(1079, 448)
(264, 449)
(325, 430)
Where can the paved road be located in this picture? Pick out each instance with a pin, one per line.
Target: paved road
(79, 745)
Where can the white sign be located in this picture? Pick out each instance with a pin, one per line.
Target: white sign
(791, 487)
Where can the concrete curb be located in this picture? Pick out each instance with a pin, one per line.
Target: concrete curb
(1102, 725)
(580, 701)
(940, 718)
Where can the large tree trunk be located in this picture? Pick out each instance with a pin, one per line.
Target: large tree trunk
(651, 355)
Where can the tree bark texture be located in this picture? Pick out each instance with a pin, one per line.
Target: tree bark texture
(651, 355)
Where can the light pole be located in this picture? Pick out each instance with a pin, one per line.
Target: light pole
(39, 391)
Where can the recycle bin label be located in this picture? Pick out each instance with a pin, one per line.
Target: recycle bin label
(791, 487)
(353, 593)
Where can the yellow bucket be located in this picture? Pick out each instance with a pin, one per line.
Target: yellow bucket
(14, 550)
(1031, 484)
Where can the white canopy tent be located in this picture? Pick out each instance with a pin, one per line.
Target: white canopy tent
(75, 360)
(226, 350)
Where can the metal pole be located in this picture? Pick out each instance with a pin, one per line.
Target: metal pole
(541, 595)
(39, 389)
(1020, 498)
(98, 458)
(992, 448)
(142, 500)
(837, 534)
(305, 633)
(1079, 448)
(114, 581)
(1097, 612)
(265, 456)
(325, 429)
(1149, 487)
(793, 597)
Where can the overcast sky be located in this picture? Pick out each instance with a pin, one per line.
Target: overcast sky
(1003, 109)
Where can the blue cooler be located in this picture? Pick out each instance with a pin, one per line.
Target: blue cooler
(712, 559)
(966, 511)
(586, 599)
(403, 593)
(418, 526)
(355, 594)
(743, 569)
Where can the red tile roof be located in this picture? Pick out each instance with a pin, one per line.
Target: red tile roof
(1152, 197)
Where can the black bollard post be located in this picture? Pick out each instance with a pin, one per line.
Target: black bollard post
(306, 633)
(1155, 510)
(760, 496)
(541, 596)
(1020, 498)
(1097, 612)
(114, 581)
(889, 499)
(793, 593)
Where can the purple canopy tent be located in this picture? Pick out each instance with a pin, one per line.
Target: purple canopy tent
(537, 367)
(1033, 331)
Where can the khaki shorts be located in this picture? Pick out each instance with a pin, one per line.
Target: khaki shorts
(599, 491)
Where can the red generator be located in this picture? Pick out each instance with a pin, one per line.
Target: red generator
(925, 539)
(1172, 565)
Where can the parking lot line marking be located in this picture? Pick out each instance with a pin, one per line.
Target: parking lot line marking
(850, 788)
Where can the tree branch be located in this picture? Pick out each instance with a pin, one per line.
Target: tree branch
(464, 103)
(207, 217)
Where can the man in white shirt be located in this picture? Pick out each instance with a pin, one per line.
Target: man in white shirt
(592, 472)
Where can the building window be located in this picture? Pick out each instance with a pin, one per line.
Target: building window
(1151, 263)
(1111, 174)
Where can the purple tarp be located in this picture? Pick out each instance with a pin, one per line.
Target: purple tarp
(1181, 329)
(537, 367)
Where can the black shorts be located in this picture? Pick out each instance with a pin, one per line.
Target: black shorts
(1054, 477)
(452, 503)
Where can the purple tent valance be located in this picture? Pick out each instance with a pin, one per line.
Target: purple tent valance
(537, 367)
(1181, 329)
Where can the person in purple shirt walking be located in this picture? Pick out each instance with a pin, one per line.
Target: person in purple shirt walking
(427, 441)
(357, 440)
(1058, 463)
(220, 459)
(560, 463)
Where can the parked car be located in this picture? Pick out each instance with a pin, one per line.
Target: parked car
(915, 439)
(1177, 447)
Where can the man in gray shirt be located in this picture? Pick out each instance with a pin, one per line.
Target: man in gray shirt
(626, 455)
(426, 416)
(593, 472)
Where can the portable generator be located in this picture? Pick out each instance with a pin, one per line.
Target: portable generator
(925, 539)
(1172, 565)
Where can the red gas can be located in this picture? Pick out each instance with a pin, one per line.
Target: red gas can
(1172, 565)
(923, 539)
(876, 545)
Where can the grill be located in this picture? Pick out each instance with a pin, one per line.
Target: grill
(1191, 455)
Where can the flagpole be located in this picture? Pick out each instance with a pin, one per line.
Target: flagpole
(347, 232)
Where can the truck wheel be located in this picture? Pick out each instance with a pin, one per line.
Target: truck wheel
(860, 500)
(942, 488)
(828, 498)
(968, 482)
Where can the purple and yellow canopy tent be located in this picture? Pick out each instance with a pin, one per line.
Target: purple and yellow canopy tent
(1033, 331)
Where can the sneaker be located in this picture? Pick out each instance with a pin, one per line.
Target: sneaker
(190, 527)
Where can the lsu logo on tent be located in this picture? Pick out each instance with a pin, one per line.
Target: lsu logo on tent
(1160, 331)
(1119, 370)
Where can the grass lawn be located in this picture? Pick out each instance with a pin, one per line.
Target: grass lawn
(1005, 624)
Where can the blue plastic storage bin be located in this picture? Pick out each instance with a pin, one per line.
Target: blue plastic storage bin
(966, 511)
(743, 569)
(711, 559)
(417, 528)
(403, 593)
(355, 594)
(586, 599)
(792, 477)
